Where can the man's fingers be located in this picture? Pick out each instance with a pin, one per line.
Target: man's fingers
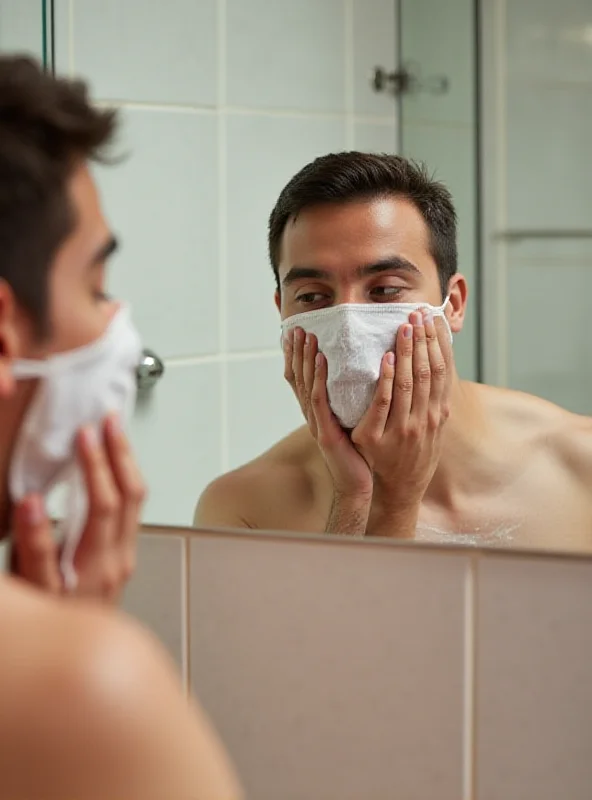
(328, 429)
(35, 551)
(403, 389)
(103, 495)
(445, 343)
(310, 354)
(372, 425)
(131, 488)
(298, 366)
(438, 372)
(422, 376)
(288, 356)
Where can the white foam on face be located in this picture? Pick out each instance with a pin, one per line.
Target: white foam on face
(502, 534)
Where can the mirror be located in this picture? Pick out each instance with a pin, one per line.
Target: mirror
(221, 104)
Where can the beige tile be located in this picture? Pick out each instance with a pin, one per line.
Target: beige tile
(533, 675)
(331, 670)
(156, 593)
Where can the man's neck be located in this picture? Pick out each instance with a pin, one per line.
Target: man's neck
(469, 449)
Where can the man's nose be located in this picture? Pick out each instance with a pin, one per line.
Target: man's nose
(350, 294)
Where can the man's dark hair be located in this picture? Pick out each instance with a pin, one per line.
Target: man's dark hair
(349, 177)
(47, 127)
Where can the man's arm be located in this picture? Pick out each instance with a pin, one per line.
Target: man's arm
(93, 710)
(225, 503)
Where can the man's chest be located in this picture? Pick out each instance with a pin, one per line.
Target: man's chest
(548, 518)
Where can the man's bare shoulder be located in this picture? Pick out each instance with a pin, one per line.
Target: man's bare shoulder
(80, 689)
(273, 491)
(562, 434)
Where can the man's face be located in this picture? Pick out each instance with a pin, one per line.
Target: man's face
(79, 310)
(365, 252)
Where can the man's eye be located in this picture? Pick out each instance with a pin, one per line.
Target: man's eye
(310, 298)
(385, 292)
(103, 296)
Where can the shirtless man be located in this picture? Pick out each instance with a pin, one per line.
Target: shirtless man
(435, 457)
(91, 706)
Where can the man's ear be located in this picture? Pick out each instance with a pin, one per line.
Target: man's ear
(10, 339)
(278, 300)
(457, 304)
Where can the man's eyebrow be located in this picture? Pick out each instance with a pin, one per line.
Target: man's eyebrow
(396, 263)
(299, 273)
(105, 251)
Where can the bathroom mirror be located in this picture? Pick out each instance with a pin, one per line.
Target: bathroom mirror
(222, 102)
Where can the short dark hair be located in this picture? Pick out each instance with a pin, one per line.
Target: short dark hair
(348, 177)
(47, 127)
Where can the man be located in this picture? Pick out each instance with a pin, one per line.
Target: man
(91, 706)
(434, 457)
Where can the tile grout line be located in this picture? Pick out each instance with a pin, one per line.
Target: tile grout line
(290, 113)
(221, 357)
(222, 245)
(349, 73)
(469, 749)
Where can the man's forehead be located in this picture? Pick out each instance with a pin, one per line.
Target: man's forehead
(90, 231)
(362, 232)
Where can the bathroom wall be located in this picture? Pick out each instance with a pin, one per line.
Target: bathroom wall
(337, 669)
(439, 42)
(21, 26)
(537, 199)
(222, 100)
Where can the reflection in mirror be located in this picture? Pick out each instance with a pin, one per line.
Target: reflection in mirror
(435, 446)
(421, 450)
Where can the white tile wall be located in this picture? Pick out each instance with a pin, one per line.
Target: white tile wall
(164, 201)
(148, 51)
(440, 129)
(21, 27)
(223, 101)
(286, 54)
(261, 406)
(543, 82)
(263, 154)
(375, 137)
(374, 45)
(177, 433)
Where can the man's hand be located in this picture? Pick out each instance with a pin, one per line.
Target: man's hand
(386, 463)
(306, 372)
(402, 444)
(106, 555)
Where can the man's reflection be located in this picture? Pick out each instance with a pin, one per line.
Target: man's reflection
(363, 248)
